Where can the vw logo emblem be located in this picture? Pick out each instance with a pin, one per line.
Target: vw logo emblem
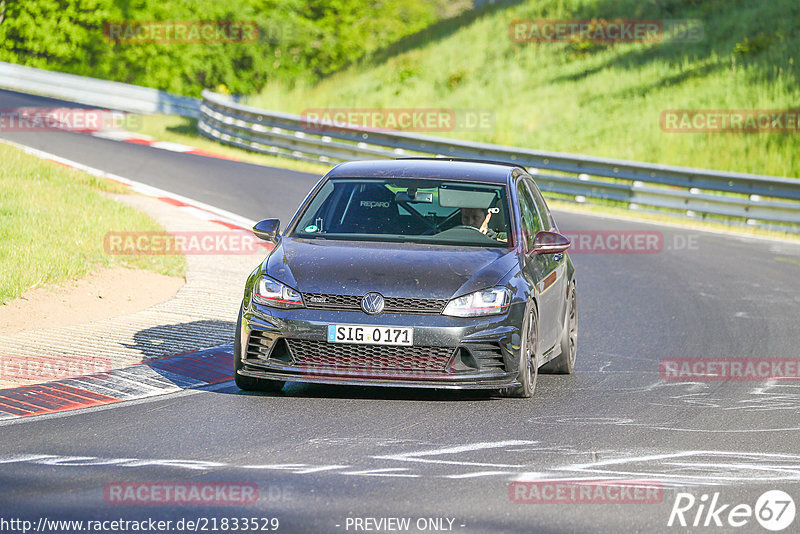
(372, 303)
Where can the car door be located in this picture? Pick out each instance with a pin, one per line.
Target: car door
(558, 262)
(538, 268)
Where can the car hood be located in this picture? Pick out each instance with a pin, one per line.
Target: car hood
(392, 269)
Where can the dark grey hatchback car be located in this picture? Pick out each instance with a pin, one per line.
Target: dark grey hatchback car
(432, 273)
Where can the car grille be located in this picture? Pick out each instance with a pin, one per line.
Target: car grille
(391, 304)
(370, 358)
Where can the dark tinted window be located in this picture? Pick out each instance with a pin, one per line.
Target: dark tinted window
(544, 211)
(530, 217)
(398, 209)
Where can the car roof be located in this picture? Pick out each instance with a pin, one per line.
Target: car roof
(436, 168)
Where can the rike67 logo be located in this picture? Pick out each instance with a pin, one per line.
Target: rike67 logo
(774, 510)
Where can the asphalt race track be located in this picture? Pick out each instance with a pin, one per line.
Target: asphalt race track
(324, 456)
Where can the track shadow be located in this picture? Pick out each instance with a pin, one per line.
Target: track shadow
(328, 391)
(187, 126)
(178, 338)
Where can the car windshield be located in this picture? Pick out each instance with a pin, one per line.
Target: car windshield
(403, 210)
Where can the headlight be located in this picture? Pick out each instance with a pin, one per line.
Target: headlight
(492, 301)
(272, 293)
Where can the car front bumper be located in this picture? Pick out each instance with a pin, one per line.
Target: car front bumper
(481, 353)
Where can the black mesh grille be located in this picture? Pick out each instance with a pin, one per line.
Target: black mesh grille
(433, 306)
(317, 301)
(370, 358)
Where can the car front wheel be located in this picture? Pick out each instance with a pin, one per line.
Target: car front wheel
(529, 363)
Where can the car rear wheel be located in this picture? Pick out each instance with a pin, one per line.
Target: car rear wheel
(248, 383)
(564, 363)
(528, 364)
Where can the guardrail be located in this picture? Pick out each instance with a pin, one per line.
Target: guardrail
(95, 92)
(765, 201)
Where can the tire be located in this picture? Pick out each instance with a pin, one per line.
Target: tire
(248, 383)
(564, 363)
(528, 364)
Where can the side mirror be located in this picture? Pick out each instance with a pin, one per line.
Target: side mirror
(267, 230)
(549, 243)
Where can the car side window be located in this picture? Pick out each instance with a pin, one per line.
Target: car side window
(530, 217)
(544, 211)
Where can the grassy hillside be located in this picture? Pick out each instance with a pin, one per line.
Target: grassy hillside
(600, 99)
(290, 39)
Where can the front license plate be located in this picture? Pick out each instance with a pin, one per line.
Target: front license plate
(370, 335)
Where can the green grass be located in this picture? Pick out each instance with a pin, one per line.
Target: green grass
(52, 223)
(597, 99)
